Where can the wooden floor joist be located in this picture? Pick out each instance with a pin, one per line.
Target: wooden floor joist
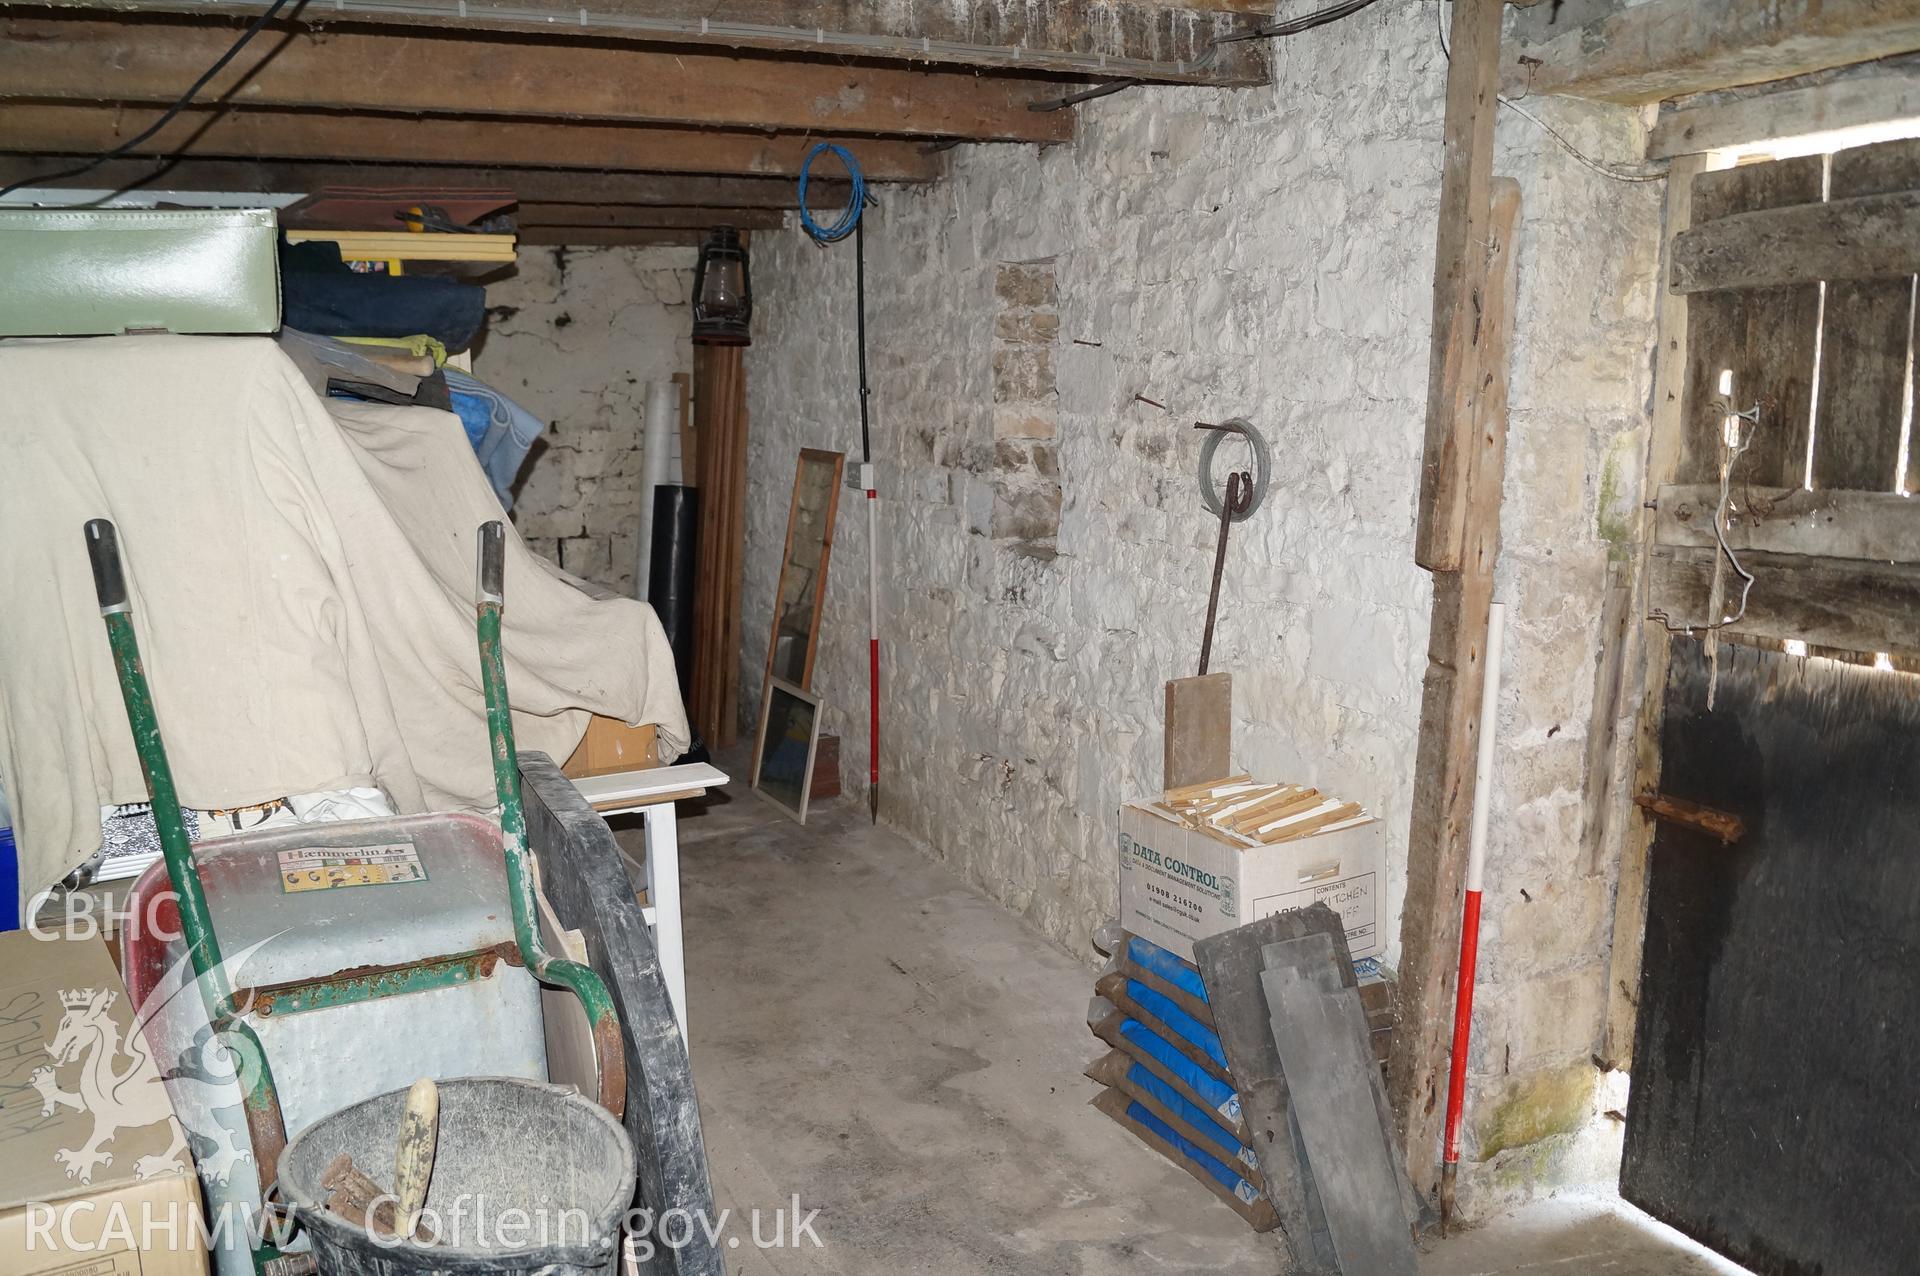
(1161, 40)
(607, 237)
(548, 185)
(129, 58)
(643, 217)
(276, 134)
(1668, 48)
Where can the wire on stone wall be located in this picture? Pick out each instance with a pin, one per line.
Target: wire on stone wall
(1294, 26)
(1618, 175)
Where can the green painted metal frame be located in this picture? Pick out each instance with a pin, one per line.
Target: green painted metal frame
(609, 1048)
(266, 1126)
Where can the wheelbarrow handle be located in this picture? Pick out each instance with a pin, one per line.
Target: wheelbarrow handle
(266, 1123)
(493, 562)
(103, 551)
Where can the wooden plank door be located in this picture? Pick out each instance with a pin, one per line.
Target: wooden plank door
(1801, 275)
(1776, 1097)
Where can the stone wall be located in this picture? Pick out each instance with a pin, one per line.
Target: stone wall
(1265, 253)
(574, 336)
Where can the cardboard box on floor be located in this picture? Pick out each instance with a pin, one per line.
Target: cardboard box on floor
(104, 1188)
(1179, 883)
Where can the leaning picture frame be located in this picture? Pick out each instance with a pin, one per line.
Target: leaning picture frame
(784, 746)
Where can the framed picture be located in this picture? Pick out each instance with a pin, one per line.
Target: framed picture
(784, 746)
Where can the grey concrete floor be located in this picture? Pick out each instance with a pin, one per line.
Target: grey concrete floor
(871, 1035)
(1573, 1233)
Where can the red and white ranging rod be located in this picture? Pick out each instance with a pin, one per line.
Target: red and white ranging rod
(1470, 921)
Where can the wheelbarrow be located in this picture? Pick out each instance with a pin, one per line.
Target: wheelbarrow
(372, 952)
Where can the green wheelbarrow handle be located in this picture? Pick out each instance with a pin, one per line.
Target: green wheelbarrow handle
(608, 1045)
(266, 1127)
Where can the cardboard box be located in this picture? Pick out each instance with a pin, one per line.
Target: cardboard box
(101, 1184)
(610, 746)
(1179, 883)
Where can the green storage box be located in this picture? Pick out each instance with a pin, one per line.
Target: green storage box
(67, 272)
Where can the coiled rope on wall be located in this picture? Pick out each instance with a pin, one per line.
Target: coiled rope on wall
(856, 197)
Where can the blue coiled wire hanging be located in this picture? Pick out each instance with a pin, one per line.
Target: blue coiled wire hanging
(856, 197)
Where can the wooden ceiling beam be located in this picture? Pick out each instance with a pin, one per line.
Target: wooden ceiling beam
(277, 134)
(1667, 48)
(1158, 40)
(606, 237)
(552, 185)
(643, 217)
(130, 58)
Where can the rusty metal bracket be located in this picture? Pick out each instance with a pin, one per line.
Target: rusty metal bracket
(1724, 825)
(369, 983)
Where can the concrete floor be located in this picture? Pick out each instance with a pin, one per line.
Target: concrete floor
(874, 1036)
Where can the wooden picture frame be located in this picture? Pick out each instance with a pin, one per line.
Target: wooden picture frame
(787, 790)
(801, 678)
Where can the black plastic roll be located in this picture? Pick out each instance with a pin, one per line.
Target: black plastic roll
(670, 575)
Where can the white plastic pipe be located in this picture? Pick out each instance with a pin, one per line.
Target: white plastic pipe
(1483, 764)
(656, 451)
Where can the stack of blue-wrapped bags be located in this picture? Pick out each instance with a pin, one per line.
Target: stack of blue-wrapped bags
(1165, 1076)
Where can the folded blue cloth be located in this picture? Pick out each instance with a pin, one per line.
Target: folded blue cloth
(476, 416)
(501, 431)
(319, 294)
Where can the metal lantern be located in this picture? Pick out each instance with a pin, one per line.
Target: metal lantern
(722, 291)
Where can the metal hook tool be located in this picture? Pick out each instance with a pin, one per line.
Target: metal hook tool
(1239, 497)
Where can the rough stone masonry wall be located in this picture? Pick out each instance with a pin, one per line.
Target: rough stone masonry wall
(574, 336)
(1267, 253)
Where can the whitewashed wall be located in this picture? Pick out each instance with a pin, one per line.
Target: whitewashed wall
(1266, 253)
(575, 335)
